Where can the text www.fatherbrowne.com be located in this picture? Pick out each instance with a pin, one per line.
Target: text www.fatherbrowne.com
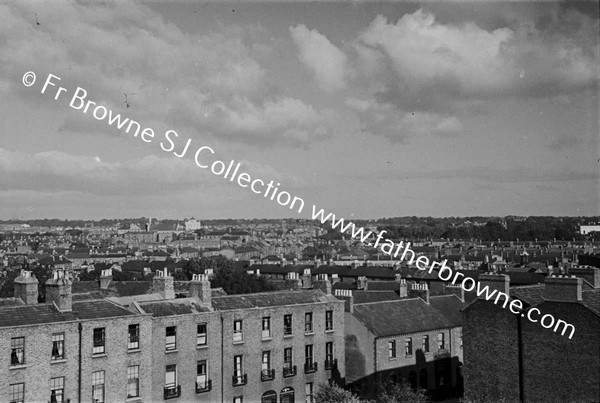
(444, 272)
(271, 190)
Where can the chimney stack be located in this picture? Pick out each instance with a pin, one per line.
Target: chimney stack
(419, 290)
(26, 288)
(563, 288)
(347, 297)
(58, 291)
(403, 287)
(105, 278)
(322, 283)
(307, 279)
(200, 288)
(456, 290)
(361, 282)
(162, 283)
(499, 282)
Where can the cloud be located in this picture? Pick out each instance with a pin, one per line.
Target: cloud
(323, 59)
(387, 120)
(183, 79)
(424, 58)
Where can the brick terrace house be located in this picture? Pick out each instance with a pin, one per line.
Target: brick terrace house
(266, 347)
(508, 357)
(415, 339)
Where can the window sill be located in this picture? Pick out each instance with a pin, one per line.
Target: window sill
(136, 399)
(309, 333)
(171, 351)
(20, 366)
(201, 346)
(267, 339)
(408, 355)
(329, 331)
(288, 336)
(393, 358)
(58, 361)
(238, 342)
(99, 355)
(134, 350)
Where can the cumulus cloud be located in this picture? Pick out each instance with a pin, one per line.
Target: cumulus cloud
(466, 60)
(122, 47)
(386, 120)
(321, 57)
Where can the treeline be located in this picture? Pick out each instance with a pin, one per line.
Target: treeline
(529, 229)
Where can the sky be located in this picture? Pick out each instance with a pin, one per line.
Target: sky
(365, 109)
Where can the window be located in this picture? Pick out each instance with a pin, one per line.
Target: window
(308, 322)
(441, 343)
(287, 358)
(57, 389)
(308, 354)
(392, 348)
(17, 393)
(58, 346)
(287, 325)
(238, 399)
(237, 330)
(328, 320)
(201, 339)
(408, 346)
(133, 381)
(329, 354)
(134, 337)
(17, 351)
(98, 340)
(425, 344)
(266, 361)
(461, 339)
(238, 370)
(287, 395)
(171, 377)
(266, 327)
(269, 396)
(201, 375)
(171, 338)
(309, 391)
(98, 387)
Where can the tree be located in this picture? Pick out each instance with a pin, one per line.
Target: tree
(335, 394)
(400, 393)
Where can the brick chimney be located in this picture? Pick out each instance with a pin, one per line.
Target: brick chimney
(589, 274)
(419, 290)
(307, 279)
(58, 291)
(322, 283)
(563, 288)
(200, 288)
(26, 287)
(162, 283)
(403, 287)
(347, 297)
(105, 278)
(457, 290)
(499, 282)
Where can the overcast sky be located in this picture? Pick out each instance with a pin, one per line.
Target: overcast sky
(366, 109)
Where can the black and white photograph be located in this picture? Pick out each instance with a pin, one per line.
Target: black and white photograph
(351, 201)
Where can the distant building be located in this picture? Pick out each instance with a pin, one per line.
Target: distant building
(586, 229)
(193, 225)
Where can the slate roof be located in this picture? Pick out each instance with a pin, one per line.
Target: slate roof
(268, 299)
(449, 306)
(532, 295)
(98, 309)
(391, 318)
(166, 309)
(366, 296)
(33, 315)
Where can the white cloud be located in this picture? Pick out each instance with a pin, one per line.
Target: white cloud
(323, 59)
(178, 77)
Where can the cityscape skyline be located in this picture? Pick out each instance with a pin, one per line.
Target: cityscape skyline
(394, 109)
